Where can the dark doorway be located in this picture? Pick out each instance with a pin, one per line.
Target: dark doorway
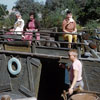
(52, 81)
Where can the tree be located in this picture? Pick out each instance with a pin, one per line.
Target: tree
(24, 6)
(85, 12)
(27, 6)
(3, 10)
(90, 12)
(52, 12)
(3, 15)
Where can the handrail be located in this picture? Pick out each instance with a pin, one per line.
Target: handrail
(6, 36)
(79, 30)
(49, 32)
(62, 42)
(34, 41)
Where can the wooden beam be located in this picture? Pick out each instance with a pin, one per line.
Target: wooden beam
(62, 42)
(32, 54)
(30, 75)
(11, 36)
(26, 91)
(44, 55)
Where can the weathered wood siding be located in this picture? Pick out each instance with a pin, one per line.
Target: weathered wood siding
(91, 74)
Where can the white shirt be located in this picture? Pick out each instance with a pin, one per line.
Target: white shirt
(77, 65)
(18, 26)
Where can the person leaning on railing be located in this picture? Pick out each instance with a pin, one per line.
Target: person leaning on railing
(31, 26)
(69, 26)
(18, 26)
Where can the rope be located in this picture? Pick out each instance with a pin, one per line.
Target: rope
(86, 79)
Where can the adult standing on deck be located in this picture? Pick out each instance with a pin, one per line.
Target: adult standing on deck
(75, 71)
(69, 26)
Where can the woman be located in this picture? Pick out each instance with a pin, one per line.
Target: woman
(31, 25)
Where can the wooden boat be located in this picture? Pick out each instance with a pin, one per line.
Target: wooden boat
(40, 76)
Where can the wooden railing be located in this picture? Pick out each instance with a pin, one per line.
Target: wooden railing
(81, 44)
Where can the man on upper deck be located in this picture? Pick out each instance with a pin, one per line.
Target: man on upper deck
(69, 26)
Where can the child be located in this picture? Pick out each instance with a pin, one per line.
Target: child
(75, 71)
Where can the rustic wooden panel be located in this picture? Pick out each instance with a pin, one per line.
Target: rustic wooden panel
(31, 77)
(50, 51)
(18, 43)
(5, 84)
(91, 70)
(17, 48)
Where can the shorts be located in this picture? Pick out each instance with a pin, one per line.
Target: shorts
(79, 83)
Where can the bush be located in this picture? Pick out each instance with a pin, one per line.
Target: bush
(92, 24)
(53, 19)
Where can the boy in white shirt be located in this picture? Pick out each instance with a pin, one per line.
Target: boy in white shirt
(19, 24)
(75, 71)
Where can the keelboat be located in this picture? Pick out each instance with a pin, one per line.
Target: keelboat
(30, 70)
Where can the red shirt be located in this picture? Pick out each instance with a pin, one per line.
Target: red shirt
(69, 26)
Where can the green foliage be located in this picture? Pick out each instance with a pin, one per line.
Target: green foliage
(91, 11)
(53, 19)
(1, 23)
(52, 12)
(85, 12)
(3, 10)
(12, 19)
(8, 21)
(27, 6)
(79, 27)
(3, 16)
(24, 6)
(92, 24)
